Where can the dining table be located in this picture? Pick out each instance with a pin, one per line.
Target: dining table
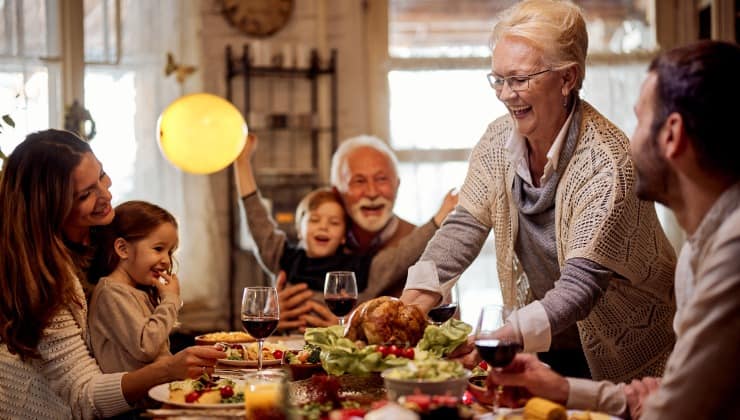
(365, 388)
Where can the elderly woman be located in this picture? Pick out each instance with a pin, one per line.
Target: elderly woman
(53, 191)
(583, 259)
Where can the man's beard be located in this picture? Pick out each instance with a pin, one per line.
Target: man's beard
(653, 174)
(372, 223)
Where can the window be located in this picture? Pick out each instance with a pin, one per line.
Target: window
(30, 67)
(440, 102)
(125, 90)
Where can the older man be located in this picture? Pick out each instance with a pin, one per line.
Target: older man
(685, 150)
(364, 170)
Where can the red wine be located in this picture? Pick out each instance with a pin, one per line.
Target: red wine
(442, 313)
(259, 327)
(497, 353)
(340, 306)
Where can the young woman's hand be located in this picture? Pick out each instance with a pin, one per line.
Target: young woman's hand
(193, 362)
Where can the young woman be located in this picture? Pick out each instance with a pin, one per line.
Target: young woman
(53, 191)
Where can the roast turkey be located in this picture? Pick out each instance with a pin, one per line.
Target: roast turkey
(387, 320)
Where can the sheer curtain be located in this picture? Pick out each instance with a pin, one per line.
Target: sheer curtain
(125, 99)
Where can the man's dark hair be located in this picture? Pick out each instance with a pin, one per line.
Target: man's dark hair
(701, 82)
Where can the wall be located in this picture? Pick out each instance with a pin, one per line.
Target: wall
(321, 24)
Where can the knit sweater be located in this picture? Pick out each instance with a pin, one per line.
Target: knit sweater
(65, 382)
(599, 218)
(127, 331)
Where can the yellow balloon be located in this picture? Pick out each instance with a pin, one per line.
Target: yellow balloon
(201, 133)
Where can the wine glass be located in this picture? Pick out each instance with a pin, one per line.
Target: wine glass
(260, 314)
(340, 293)
(446, 310)
(496, 345)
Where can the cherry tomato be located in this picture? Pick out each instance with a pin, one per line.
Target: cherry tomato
(420, 400)
(394, 350)
(277, 354)
(192, 397)
(383, 350)
(467, 398)
(227, 392)
(483, 365)
(408, 352)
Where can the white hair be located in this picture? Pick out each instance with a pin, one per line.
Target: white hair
(557, 28)
(339, 159)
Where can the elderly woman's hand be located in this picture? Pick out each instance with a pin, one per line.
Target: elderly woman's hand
(466, 353)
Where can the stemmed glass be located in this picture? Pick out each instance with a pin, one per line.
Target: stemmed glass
(446, 310)
(340, 293)
(495, 345)
(260, 314)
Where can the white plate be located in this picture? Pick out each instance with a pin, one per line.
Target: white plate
(249, 363)
(161, 393)
(502, 414)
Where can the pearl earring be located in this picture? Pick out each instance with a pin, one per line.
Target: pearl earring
(565, 102)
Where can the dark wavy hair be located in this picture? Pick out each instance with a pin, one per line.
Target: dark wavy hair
(699, 82)
(134, 221)
(37, 270)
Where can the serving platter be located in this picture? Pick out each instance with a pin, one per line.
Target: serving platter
(161, 393)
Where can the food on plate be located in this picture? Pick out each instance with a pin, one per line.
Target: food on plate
(428, 370)
(436, 406)
(542, 409)
(432, 377)
(387, 320)
(308, 355)
(224, 337)
(325, 398)
(251, 352)
(206, 390)
(304, 363)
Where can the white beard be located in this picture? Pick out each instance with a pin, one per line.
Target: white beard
(371, 223)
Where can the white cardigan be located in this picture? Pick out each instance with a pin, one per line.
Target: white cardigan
(598, 217)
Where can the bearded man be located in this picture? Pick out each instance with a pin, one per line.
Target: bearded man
(364, 172)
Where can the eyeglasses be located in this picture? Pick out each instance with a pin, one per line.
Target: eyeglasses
(517, 83)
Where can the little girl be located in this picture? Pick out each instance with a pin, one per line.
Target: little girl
(134, 306)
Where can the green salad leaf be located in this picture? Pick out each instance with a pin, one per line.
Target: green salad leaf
(341, 355)
(442, 340)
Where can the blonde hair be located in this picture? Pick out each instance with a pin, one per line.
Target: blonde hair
(557, 28)
(312, 201)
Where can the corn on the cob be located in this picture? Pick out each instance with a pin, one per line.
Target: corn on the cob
(542, 409)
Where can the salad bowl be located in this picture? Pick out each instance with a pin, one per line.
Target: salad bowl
(437, 377)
